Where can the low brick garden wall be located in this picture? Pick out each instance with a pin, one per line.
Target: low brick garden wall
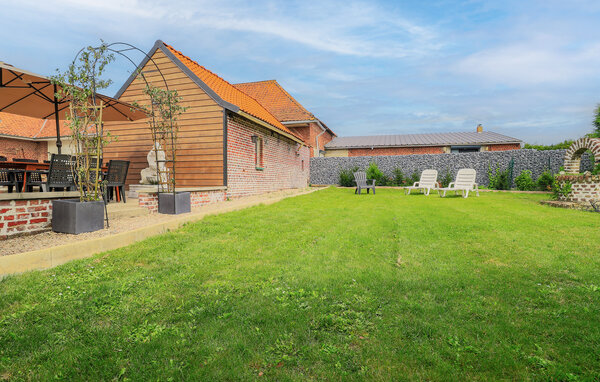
(24, 217)
(149, 200)
(584, 188)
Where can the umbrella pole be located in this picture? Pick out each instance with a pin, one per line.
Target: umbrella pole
(58, 141)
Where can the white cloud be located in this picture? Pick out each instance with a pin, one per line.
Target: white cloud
(531, 63)
(353, 28)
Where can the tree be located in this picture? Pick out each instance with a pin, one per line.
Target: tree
(80, 85)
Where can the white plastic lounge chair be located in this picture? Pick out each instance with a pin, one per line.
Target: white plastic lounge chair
(465, 182)
(427, 182)
(360, 177)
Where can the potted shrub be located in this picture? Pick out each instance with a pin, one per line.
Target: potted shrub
(79, 85)
(163, 111)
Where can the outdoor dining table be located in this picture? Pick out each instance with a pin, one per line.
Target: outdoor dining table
(30, 166)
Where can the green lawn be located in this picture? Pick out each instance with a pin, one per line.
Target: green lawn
(325, 286)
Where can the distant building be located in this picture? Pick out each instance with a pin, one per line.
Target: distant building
(290, 113)
(31, 138)
(434, 143)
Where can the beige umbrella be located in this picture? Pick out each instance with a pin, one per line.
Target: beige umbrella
(33, 95)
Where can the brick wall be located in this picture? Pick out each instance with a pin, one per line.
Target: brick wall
(19, 148)
(584, 188)
(149, 200)
(515, 146)
(24, 216)
(285, 162)
(309, 133)
(395, 151)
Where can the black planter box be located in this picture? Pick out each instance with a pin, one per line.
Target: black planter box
(75, 217)
(174, 204)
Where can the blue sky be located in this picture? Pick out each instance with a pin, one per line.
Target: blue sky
(529, 69)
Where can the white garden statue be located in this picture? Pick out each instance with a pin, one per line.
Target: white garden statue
(149, 174)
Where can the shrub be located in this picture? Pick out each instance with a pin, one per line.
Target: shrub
(414, 177)
(524, 181)
(373, 172)
(347, 177)
(545, 181)
(398, 177)
(499, 180)
(562, 145)
(560, 190)
(446, 179)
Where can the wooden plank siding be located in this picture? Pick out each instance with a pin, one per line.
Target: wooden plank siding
(200, 138)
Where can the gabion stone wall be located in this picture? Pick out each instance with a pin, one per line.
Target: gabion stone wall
(326, 170)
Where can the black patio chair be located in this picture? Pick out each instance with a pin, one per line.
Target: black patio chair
(115, 177)
(25, 160)
(7, 178)
(33, 179)
(60, 173)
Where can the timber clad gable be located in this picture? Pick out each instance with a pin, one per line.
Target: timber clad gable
(200, 138)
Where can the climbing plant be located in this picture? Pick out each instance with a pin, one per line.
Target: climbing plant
(163, 110)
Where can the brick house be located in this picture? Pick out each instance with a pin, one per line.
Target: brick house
(290, 113)
(229, 144)
(32, 138)
(437, 143)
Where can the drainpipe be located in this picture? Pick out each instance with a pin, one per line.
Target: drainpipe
(316, 151)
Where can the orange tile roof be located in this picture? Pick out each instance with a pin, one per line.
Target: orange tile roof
(230, 93)
(27, 127)
(278, 101)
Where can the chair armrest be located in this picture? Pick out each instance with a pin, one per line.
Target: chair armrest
(415, 184)
(373, 182)
(451, 185)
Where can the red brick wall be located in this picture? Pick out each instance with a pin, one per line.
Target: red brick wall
(514, 146)
(395, 151)
(285, 165)
(309, 133)
(149, 200)
(24, 216)
(19, 148)
(315, 130)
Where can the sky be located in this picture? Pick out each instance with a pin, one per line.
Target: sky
(527, 69)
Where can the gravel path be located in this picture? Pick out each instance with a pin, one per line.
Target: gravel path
(50, 239)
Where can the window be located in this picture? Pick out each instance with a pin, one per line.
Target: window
(258, 152)
(464, 149)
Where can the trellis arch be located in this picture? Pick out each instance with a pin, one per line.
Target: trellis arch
(573, 154)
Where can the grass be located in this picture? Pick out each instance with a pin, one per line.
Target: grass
(326, 286)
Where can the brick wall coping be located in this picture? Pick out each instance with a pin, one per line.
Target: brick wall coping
(39, 195)
(152, 190)
(582, 178)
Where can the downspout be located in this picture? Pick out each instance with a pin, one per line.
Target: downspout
(317, 152)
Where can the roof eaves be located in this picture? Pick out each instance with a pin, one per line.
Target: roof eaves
(23, 138)
(254, 119)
